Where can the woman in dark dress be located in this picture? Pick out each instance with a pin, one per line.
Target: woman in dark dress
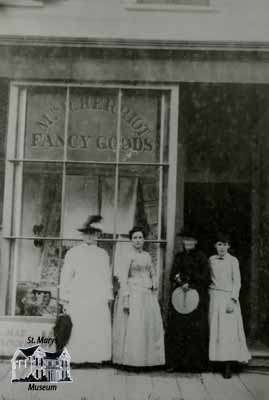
(187, 334)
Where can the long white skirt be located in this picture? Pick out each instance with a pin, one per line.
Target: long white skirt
(227, 341)
(138, 337)
(90, 339)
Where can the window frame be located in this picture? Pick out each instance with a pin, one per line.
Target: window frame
(14, 166)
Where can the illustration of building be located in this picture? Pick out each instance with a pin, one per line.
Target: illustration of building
(33, 364)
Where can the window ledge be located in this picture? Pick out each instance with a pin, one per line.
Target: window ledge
(132, 6)
(21, 3)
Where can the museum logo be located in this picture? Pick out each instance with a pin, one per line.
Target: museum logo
(35, 366)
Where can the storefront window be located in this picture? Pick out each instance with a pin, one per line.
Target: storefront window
(80, 151)
(45, 119)
(41, 199)
(92, 128)
(140, 139)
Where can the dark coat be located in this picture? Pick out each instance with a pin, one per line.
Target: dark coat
(187, 335)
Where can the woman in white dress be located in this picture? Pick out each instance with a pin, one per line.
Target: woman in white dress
(138, 337)
(86, 289)
(227, 342)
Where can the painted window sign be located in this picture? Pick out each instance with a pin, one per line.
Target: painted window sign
(92, 125)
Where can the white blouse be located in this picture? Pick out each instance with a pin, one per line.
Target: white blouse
(225, 274)
(86, 273)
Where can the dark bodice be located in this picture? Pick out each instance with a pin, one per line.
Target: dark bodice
(193, 268)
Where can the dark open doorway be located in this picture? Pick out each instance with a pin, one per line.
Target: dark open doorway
(221, 180)
(223, 206)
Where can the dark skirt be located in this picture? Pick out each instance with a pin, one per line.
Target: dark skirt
(187, 338)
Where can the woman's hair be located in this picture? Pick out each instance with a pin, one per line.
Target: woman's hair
(222, 237)
(136, 229)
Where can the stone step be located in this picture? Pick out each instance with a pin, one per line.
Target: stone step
(259, 359)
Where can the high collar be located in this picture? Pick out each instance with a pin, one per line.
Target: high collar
(139, 251)
(218, 257)
(90, 243)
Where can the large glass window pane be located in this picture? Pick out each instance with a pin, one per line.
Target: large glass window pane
(3, 117)
(45, 123)
(89, 189)
(41, 200)
(37, 265)
(165, 137)
(2, 185)
(52, 199)
(92, 129)
(140, 126)
(139, 200)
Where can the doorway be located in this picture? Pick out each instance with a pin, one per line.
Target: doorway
(212, 207)
(219, 179)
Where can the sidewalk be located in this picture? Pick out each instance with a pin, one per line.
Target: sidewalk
(111, 384)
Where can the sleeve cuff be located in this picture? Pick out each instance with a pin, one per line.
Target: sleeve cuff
(235, 295)
(154, 282)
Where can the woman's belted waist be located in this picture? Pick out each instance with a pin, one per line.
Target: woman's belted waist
(140, 284)
(220, 289)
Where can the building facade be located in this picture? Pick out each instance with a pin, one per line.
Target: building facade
(148, 112)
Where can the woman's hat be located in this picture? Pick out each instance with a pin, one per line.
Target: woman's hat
(93, 224)
(186, 232)
(185, 302)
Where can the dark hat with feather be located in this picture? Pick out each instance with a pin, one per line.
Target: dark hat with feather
(92, 225)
